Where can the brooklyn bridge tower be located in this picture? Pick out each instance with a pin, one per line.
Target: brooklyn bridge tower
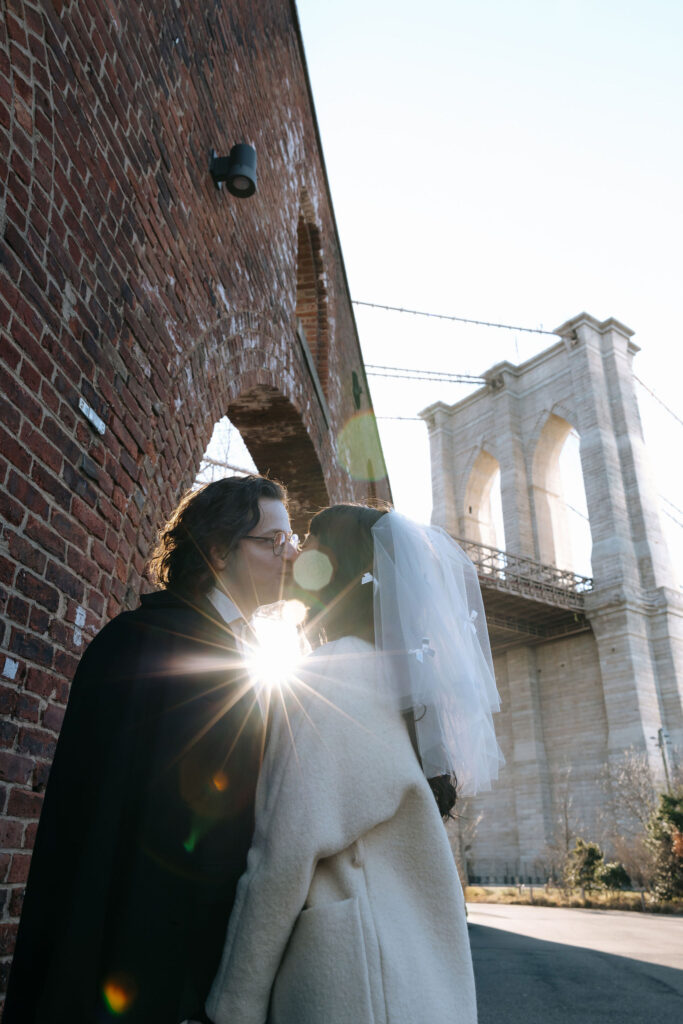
(588, 667)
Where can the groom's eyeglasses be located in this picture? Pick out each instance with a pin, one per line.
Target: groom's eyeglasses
(279, 541)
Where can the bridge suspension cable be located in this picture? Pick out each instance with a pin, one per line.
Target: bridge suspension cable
(459, 319)
(658, 399)
(403, 373)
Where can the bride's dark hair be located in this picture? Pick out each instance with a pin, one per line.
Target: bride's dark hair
(344, 607)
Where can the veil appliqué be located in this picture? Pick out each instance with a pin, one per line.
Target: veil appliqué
(430, 626)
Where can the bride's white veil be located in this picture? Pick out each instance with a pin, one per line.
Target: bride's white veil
(430, 626)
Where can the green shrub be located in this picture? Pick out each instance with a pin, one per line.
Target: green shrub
(614, 876)
(583, 865)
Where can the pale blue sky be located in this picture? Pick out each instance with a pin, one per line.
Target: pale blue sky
(507, 161)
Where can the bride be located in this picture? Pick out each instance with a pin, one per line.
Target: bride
(350, 910)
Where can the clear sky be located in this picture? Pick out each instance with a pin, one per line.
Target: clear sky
(517, 162)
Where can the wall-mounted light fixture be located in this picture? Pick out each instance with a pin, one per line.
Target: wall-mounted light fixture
(238, 170)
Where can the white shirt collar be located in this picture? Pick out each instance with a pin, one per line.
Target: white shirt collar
(226, 608)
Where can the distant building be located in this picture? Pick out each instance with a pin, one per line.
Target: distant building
(587, 668)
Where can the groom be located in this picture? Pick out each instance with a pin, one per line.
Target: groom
(148, 813)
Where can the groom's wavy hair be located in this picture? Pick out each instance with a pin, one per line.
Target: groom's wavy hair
(345, 606)
(218, 514)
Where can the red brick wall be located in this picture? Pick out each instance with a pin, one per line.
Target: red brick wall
(128, 280)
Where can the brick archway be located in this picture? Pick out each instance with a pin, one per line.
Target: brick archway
(279, 445)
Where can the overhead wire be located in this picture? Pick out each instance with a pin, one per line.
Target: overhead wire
(678, 522)
(413, 419)
(459, 319)
(673, 518)
(675, 507)
(404, 373)
(658, 399)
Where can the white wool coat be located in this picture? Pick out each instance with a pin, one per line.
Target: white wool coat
(350, 910)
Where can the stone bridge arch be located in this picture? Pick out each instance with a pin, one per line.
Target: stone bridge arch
(478, 517)
(549, 500)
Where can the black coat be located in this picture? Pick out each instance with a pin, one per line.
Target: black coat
(145, 828)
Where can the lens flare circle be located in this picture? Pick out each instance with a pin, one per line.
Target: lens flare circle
(359, 450)
(119, 993)
(313, 570)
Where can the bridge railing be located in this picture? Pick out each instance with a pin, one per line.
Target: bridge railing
(523, 575)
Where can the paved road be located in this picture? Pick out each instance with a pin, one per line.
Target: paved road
(544, 965)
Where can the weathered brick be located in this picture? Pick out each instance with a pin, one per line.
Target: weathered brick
(110, 513)
(9, 415)
(19, 396)
(69, 529)
(38, 590)
(29, 838)
(38, 445)
(38, 354)
(8, 696)
(36, 742)
(66, 665)
(63, 442)
(8, 937)
(78, 484)
(27, 707)
(96, 603)
(53, 716)
(12, 511)
(64, 580)
(31, 647)
(24, 804)
(41, 682)
(9, 353)
(90, 520)
(27, 495)
(5, 316)
(10, 834)
(24, 552)
(39, 620)
(8, 734)
(83, 565)
(16, 900)
(45, 537)
(48, 482)
(16, 452)
(18, 610)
